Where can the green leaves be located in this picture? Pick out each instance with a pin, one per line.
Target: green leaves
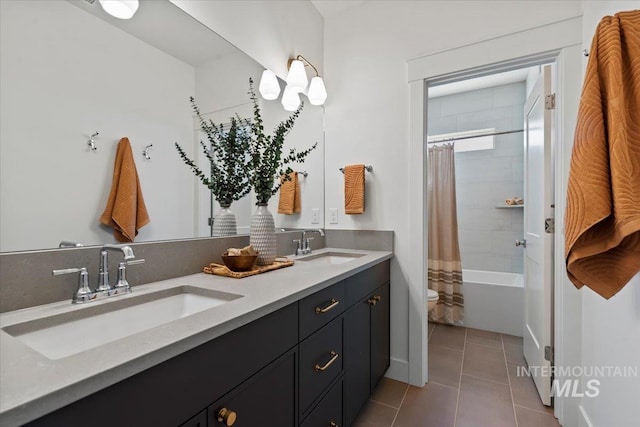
(226, 151)
(265, 151)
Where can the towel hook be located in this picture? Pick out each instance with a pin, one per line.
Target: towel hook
(92, 141)
(585, 52)
(303, 173)
(145, 152)
(369, 168)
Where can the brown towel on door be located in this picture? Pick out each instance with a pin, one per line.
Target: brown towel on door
(354, 189)
(289, 202)
(125, 211)
(602, 224)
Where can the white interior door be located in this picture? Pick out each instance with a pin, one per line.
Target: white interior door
(538, 252)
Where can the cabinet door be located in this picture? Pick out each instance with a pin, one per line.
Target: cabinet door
(380, 334)
(199, 420)
(357, 359)
(266, 399)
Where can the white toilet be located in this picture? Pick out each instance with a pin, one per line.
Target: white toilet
(432, 299)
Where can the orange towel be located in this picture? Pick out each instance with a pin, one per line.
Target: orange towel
(125, 211)
(354, 189)
(602, 224)
(289, 202)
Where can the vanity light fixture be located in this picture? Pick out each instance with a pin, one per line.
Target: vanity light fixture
(269, 87)
(297, 79)
(296, 83)
(122, 9)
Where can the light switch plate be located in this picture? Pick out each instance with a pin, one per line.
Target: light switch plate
(333, 215)
(315, 216)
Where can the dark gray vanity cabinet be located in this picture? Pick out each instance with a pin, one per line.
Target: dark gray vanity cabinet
(366, 339)
(313, 363)
(266, 399)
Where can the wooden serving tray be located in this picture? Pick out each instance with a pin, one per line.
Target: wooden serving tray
(222, 270)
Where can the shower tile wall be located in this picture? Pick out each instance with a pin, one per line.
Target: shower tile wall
(484, 179)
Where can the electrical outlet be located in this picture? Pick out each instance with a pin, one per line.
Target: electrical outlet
(333, 215)
(315, 216)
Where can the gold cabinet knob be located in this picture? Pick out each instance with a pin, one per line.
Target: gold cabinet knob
(227, 417)
(372, 301)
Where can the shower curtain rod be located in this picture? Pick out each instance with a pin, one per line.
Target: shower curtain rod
(475, 136)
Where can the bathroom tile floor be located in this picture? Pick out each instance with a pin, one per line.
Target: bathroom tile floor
(472, 383)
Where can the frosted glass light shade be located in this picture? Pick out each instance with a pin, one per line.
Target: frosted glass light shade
(317, 92)
(269, 87)
(290, 99)
(123, 9)
(297, 77)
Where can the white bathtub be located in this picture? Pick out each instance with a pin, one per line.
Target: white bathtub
(493, 301)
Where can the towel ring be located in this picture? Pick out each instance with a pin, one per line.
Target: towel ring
(369, 168)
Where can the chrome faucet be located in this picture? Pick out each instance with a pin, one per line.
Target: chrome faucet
(103, 274)
(304, 244)
(104, 289)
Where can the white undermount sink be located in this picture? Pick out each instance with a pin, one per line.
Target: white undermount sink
(62, 335)
(332, 257)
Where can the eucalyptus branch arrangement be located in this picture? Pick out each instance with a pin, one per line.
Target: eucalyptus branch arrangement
(227, 154)
(265, 151)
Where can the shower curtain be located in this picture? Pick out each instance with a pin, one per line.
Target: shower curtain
(444, 264)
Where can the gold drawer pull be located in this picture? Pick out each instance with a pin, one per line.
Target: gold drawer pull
(334, 357)
(377, 298)
(333, 424)
(372, 301)
(331, 305)
(227, 417)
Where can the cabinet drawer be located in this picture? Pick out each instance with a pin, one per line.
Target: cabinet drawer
(365, 282)
(266, 399)
(320, 308)
(329, 410)
(320, 363)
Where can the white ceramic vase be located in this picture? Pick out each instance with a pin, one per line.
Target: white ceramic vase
(224, 222)
(262, 235)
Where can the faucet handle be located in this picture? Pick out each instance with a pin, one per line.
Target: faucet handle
(83, 293)
(135, 261)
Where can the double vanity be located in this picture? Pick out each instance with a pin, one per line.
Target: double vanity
(300, 346)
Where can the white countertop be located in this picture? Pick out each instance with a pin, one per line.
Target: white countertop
(32, 385)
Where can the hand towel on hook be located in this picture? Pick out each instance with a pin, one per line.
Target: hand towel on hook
(354, 189)
(125, 212)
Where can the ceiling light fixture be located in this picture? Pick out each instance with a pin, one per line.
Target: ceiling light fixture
(122, 9)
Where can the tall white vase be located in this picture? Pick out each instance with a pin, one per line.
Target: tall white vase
(263, 235)
(224, 222)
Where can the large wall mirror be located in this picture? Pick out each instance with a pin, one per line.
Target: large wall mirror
(69, 70)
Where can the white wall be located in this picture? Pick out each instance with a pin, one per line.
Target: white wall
(367, 115)
(611, 328)
(269, 31)
(57, 75)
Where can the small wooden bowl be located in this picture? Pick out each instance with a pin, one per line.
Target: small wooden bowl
(239, 262)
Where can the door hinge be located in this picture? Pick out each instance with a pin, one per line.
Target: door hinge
(549, 225)
(550, 101)
(210, 222)
(548, 353)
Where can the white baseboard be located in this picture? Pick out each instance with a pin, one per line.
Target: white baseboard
(584, 418)
(398, 370)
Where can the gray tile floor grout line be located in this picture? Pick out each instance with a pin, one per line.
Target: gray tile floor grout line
(464, 346)
(535, 410)
(385, 404)
(506, 365)
(486, 345)
(400, 407)
(443, 385)
(484, 379)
